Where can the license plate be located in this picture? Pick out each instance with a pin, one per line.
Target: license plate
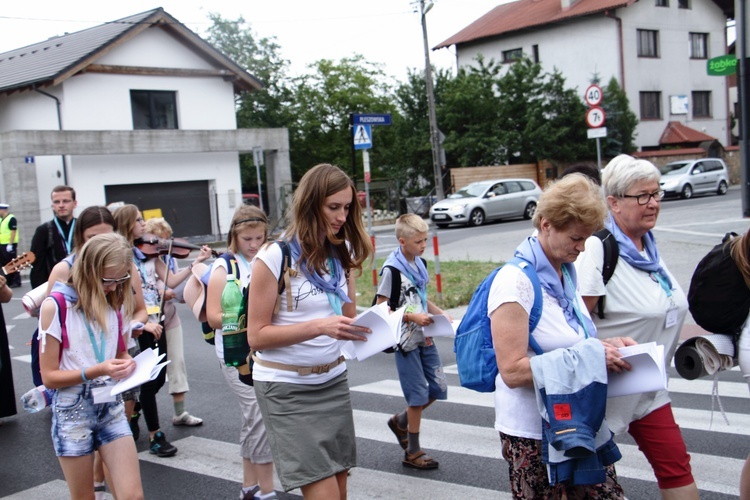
(439, 217)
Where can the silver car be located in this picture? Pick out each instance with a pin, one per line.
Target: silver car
(485, 200)
(688, 177)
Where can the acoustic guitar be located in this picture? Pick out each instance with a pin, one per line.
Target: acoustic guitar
(21, 262)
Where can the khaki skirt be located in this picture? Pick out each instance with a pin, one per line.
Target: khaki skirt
(310, 429)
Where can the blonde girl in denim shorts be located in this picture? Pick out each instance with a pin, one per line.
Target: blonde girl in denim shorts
(84, 365)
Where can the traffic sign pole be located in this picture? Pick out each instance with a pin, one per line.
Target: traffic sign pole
(366, 163)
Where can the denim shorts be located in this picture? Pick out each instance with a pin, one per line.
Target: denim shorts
(79, 426)
(421, 375)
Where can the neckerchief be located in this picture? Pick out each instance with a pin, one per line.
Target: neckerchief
(631, 255)
(563, 291)
(397, 259)
(332, 285)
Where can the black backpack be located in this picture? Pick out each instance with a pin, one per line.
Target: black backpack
(611, 254)
(719, 298)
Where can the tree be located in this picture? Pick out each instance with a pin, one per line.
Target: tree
(267, 107)
(621, 121)
(320, 132)
(469, 114)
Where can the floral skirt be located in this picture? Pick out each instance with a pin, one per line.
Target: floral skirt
(528, 475)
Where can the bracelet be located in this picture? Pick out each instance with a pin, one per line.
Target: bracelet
(83, 375)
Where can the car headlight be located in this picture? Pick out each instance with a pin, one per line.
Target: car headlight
(457, 208)
(669, 185)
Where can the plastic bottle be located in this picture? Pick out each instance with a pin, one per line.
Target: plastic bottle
(235, 340)
(37, 399)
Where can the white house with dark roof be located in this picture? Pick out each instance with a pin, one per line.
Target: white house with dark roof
(656, 49)
(139, 110)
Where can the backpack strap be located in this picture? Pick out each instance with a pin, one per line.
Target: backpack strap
(285, 277)
(62, 312)
(536, 309)
(611, 255)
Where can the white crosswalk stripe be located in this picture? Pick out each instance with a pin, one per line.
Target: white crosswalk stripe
(219, 459)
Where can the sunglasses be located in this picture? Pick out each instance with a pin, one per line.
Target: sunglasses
(116, 281)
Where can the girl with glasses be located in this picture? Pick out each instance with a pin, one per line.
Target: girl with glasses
(82, 353)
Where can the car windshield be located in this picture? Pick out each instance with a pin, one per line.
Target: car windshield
(473, 190)
(674, 168)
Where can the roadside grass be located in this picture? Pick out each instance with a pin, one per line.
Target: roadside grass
(459, 279)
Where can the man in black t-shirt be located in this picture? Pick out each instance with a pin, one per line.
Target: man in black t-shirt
(53, 240)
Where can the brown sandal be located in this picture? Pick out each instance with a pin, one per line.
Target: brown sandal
(419, 461)
(401, 434)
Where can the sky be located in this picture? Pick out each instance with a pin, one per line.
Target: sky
(384, 31)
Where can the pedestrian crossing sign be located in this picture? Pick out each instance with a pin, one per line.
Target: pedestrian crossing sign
(362, 136)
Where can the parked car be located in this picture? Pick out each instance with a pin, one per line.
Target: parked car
(688, 177)
(485, 200)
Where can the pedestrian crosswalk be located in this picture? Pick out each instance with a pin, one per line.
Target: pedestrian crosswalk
(717, 476)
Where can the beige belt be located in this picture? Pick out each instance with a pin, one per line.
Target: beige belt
(301, 370)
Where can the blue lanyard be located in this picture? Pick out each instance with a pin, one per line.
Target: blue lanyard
(99, 353)
(241, 258)
(69, 242)
(333, 298)
(664, 285)
(574, 301)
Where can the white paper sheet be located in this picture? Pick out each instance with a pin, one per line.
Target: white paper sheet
(441, 326)
(147, 367)
(648, 372)
(386, 329)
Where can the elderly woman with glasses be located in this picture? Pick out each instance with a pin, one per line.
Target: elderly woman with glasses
(645, 302)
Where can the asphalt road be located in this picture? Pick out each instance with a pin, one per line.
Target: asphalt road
(458, 432)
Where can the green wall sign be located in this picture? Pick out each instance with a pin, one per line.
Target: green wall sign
(722, 65)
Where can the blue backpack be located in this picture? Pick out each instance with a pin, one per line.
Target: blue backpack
(475, 355)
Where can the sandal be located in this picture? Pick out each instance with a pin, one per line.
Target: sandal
(402, 435)
(419, 461)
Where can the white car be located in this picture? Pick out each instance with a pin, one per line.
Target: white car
(688, 177)
(486, 200)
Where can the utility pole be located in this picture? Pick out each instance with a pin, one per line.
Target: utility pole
(434, 137)
(742, 16)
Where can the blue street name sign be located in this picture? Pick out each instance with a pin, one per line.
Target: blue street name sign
(372, 119)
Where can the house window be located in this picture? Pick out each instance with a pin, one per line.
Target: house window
(648, 43)
(650, 105)
(535, 52)
(512, 55)
(153, 109)
(699, 45)
(683, 4)
(662, 3)
(701, 104)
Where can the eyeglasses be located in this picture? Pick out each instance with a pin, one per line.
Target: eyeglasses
(644, 198)
(116, 281)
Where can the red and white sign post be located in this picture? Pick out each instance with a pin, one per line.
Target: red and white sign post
(595, 118)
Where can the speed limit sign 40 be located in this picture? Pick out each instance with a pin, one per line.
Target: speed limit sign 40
(593, 95)
(595, 117)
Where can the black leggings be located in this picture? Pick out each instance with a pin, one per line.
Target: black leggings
(150, 388)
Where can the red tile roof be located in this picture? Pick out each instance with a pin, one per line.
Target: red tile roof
(677, 133)
(523, 14)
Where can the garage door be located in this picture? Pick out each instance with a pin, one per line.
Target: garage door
(185, 205)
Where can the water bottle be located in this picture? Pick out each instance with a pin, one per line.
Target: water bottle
(37, 399)
(234, 339)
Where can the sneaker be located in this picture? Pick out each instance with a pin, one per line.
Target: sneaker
(134, 426)
(160, 447)
(250, 495)
(186, 419)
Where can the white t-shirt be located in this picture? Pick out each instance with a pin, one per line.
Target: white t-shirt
(309, 302)
(245, 269)
(516, 412)
(636, 306)
(81, 353)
